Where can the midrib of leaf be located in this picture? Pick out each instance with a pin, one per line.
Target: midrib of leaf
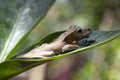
(5, 51)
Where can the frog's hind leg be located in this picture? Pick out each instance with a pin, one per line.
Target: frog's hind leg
(36, 54)
(70, 47)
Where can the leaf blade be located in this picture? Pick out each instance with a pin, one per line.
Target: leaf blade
(18, 18)
(21, 65)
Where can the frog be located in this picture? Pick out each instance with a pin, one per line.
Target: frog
(66, 41)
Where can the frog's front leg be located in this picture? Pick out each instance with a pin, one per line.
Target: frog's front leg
(70, 47)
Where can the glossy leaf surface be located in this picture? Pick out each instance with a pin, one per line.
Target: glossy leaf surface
(17, 19)
(15, 66)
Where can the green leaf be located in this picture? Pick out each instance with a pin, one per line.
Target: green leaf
(14, 66)
(17, 19)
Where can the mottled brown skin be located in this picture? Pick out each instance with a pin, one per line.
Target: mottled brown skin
(64, 43)
(69, 39)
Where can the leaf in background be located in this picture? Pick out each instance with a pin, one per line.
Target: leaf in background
(17, 19)
(13, 67)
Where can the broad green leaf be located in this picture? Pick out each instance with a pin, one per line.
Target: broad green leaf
(17, 19)
(14, 66)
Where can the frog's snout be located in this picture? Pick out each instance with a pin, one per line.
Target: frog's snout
(86, 32)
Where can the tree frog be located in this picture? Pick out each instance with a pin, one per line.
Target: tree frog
(67, 41)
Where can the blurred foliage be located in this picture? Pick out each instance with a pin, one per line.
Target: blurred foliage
(101, 63)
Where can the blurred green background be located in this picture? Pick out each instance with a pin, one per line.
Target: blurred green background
(102, 63)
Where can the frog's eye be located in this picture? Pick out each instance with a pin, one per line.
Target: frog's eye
(80, 30)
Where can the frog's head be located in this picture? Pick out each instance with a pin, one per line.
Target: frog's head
(76, 33)
(84, 32)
